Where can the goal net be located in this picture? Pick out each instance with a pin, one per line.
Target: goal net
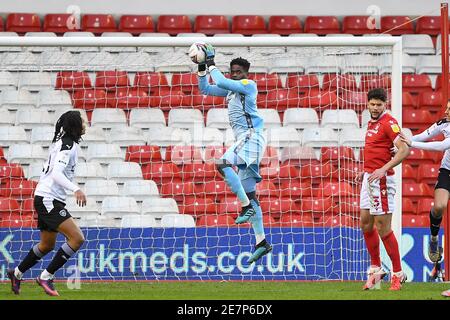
(157, 207)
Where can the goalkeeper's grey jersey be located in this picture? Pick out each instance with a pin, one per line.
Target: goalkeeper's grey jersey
(442, 126)
(63, 156)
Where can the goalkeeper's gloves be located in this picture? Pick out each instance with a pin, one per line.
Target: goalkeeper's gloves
(209, 55)
(201, 70)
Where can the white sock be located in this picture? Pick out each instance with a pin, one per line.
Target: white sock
(259, 237)
(45, 275)
(17, 273)
(399, 274)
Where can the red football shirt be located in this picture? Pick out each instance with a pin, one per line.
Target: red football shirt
(380, 137)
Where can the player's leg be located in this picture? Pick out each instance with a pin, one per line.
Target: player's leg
(441, 197)
(262, 246)
(46, 244)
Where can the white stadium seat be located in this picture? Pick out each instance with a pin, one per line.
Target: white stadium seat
(283, 137)
(134, 61)
(159, 207)
(98, 189)
(20, 61)
(147, 118)
(352, 137)
(35, 81)
(58, 60)
(41, 34)
(218, 118)
(271, 118)
(80, 49)
(338, 119)
(104, 153)
(408, 63)
(94, 135)
(12, 135)
(167, 136)
(229, 138)
(177, 221)
(92, 221)
(90, 209)
(360, 63)
(417, 44)
(26, 154)
(175, 62)
(118, 49)
(9, 48)
(116, 207)
(108, 118)
(54, 99)
(16, 99)
(8, 80)
(206, 137)
(29, 119)
(140, 190)
(155, 51)
(320, 137)
(85, 171)
(123, 171)
(185, 118)
(42, 135)
(34, 170)
(429, 65)
(7, 118)
(323, 64)
(265, 51)
(365, 117)
(138, 221)
(300, 118)
(126, 136)
(298, 154)
(95, 61)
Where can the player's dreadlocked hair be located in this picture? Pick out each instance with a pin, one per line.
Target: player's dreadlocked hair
(241, 62)
(70, 124)
(378, 94)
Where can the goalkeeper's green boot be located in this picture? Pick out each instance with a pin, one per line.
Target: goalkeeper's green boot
(262, 249)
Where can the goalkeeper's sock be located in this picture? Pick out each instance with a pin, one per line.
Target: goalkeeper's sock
(435, 224)
(61, 257)
(373, 246)
(257, 222)
(391, 246)
(33, 256)
(233, 181)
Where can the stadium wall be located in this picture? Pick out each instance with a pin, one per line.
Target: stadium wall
(300, 8)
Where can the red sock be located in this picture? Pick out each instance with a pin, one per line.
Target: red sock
(391, 245)
(373, 246)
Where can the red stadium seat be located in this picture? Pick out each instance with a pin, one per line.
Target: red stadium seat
(266, 189)
(415, 221)
(270, 157)
(166, 101)
(319, 99)
(266, 81)
(248, 25)
(215, 189)
(174, 24)
(424, 206)
(211, 24)
(143, 154)
(98, 23)
(178, 190)
(322, 25)
(287, 173)
(439, 82)
(18, 221)
(2, 27)
(295, 190)
(8, 206)
(429, 25)
(199, 172)
(318, 172)
(285, 25)
(204, 102)
(418, 157)
(349, 169)
(60, 23)
(416, 83)
(128, 98)
(136, 24)
(11, 171)
(303, 83)
(356, 100)
(358, 25)
(2, 157)
(338, 221)
(212, 153)
(19, 189)
(230, 206)
(89, 99)
(72, 80)
(295, 220)
(417, 119)
(371, 81)
(348, 206)
(397, 25)
(408, 206)
(428, 173)
(185, 82)
(161, 172)
(431, 100)
(409, 175)
(27, 208)
(183, 154)
(111, 80)
(316, 205)
(276, 206)
(275, 99)
(408, 101)
(346, 81)
(336, 189)
(215, 221)
(336, 154)
(154, 82)
(23, 22)
(414, 191)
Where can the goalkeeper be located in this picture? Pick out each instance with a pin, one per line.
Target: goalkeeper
(246, 153)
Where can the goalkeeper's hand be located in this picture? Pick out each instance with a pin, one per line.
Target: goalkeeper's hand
(201, 70)
(209, 54)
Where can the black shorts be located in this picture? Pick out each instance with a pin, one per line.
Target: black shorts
(50, 220)
(443, 180)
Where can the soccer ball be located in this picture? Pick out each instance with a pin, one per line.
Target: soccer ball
(196, 53)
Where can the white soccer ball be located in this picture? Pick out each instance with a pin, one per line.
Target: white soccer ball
(196, 53)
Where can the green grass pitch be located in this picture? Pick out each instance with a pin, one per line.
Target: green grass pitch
(182, 290)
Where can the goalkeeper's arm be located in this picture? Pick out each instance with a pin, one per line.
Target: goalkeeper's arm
(205, 87)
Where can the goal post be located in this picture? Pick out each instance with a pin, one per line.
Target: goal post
(324, 244)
